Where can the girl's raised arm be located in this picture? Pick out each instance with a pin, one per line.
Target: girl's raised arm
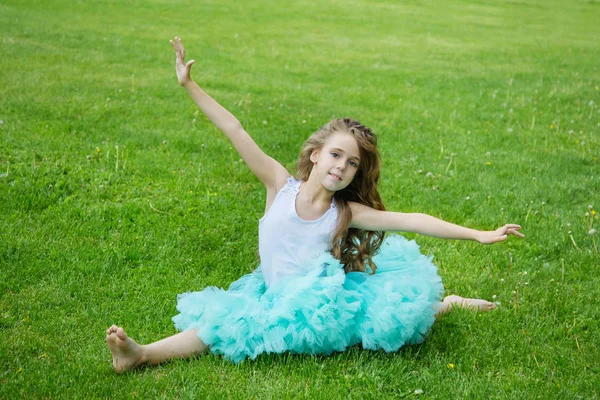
(272, 174)
(364, 217)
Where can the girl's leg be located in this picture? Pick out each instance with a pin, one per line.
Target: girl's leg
(456, 301)
(127, 354)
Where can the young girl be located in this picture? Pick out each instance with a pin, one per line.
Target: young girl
(328, 278)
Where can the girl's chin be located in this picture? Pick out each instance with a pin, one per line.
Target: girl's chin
(334, 185)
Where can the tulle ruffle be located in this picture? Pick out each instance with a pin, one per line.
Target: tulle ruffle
(322, 309)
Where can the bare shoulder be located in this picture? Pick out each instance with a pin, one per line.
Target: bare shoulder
(358, 208)
(361, 215)
(368, 218)
(280, 179)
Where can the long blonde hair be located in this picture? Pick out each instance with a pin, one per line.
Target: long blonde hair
(353, 247)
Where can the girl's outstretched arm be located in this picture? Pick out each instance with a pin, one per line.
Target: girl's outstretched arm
(364, 217)
(272, 174)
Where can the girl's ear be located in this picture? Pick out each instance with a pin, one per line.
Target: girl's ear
(314, 155)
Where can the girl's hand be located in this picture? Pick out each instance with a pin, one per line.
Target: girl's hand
(499, 234)
(182, 69)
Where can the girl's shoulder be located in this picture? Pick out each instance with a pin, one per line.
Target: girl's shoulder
(292, 185)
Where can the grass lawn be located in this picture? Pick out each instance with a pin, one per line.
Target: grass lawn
(117, 193)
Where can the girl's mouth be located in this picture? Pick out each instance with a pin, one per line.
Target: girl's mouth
(336, 177)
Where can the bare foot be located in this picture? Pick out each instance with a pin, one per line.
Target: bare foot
(461, 302)
(126, 353)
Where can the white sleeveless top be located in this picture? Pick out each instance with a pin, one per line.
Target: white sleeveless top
(285, 241)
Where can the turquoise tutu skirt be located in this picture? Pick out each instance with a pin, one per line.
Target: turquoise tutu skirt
(321, 310)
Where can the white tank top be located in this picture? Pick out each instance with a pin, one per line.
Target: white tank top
(285, 241)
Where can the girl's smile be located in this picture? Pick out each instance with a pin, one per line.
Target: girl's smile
(335, 177)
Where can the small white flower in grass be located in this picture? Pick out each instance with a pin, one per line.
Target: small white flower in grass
(587, 214)
(494, 297)
(526, 283)
(497, 303)
(524, 272)
(1, 122)
(509, 130)
(303, 121)
(570, 131)
(514, 292)
(590, 206)
(487, 153)
(419, 391)
(569, 224)
(592, 231)
(502, 280)
(429, 174)
(468, 198)
(264, 122)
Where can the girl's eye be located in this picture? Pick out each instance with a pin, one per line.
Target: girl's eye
(335, 155)
(352, 163)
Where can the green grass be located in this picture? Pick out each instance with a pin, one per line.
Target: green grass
(486, 111)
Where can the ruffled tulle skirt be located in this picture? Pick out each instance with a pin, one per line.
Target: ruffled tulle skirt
(321, 310)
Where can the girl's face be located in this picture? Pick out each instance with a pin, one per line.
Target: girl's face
(336, 163)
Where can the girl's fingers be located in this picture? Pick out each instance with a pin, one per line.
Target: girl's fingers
(514, 232)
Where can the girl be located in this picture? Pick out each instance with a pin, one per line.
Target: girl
(328, 278)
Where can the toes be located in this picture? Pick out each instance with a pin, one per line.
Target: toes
(110, 339)
(113, 332)
(121, 334)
